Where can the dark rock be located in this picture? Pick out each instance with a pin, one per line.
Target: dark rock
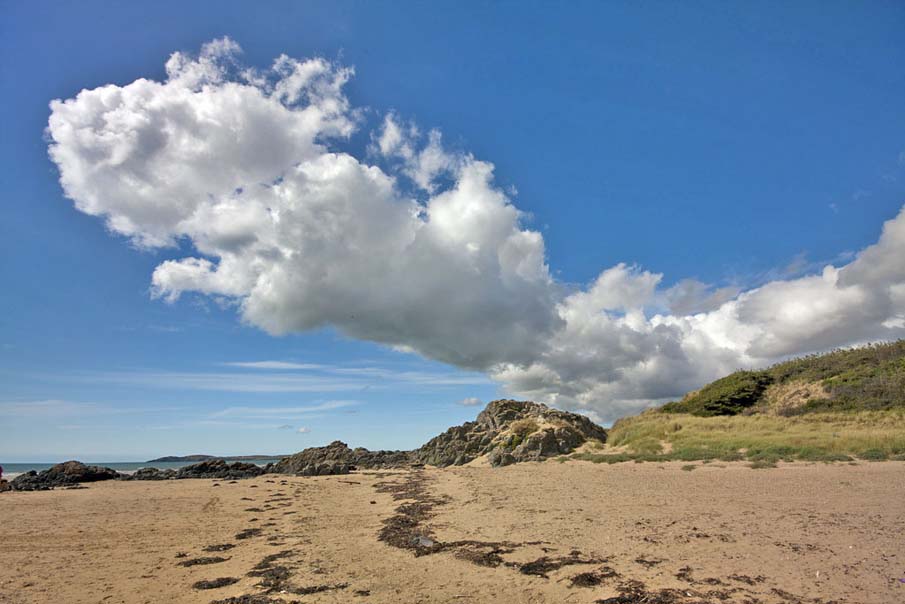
(338, 458)
(212, 468)
(376, 460)
(151, 474)
(62, 475)
(500, 457)
(217, 468)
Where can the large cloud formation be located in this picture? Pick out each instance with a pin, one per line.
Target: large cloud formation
(238, 162)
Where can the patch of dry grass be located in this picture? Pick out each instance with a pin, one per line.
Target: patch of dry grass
(523, 427)
(872, 435)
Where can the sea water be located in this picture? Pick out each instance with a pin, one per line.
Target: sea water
(11, 470)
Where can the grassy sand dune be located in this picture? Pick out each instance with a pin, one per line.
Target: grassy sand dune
(845, 405)
(651, 436)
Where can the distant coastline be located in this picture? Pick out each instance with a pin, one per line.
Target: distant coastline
(178, 458)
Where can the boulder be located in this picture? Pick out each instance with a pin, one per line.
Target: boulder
(61, 475)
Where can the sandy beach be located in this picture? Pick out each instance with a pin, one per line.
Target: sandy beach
(548, 532)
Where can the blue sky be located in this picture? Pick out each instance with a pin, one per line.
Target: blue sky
(736, 145)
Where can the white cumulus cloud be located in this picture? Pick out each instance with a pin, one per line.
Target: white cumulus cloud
(243, 165)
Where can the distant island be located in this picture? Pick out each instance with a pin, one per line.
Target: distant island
(206, 457)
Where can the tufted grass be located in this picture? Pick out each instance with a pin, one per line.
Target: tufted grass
(765, 439)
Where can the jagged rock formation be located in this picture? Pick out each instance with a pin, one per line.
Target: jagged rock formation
(64, 474)
(338, 458)
(508, 432)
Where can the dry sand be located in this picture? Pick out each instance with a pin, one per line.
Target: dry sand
(798, 533)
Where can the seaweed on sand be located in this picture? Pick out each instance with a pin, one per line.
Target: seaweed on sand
(215, 583)
(247, 533)
(203, 560)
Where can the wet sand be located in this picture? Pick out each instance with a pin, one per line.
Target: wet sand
(532, 533)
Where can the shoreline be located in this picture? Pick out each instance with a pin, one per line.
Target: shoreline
(123, 467)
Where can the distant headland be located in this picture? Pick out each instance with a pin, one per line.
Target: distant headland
(177, 458)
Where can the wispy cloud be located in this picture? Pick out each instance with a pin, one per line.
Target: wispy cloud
(56, 408)
(372, 371)
(48, 408)
(304, 430)
(283, 365)
(282, 412)
(225, 381)
(275, 376)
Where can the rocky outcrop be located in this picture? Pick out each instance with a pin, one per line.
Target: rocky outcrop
(64, 474)
(212, 468)
(151, 474)
(338, 458)
(217, 468)
(379, 460)
(508, 432)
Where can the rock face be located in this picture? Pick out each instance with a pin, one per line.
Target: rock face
(338, 458)
(62, 475)
(508, 432)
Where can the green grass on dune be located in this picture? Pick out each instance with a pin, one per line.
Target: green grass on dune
(727, 396)
(841, 406)
(867, 378)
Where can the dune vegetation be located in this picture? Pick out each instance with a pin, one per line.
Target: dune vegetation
(840, 406)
